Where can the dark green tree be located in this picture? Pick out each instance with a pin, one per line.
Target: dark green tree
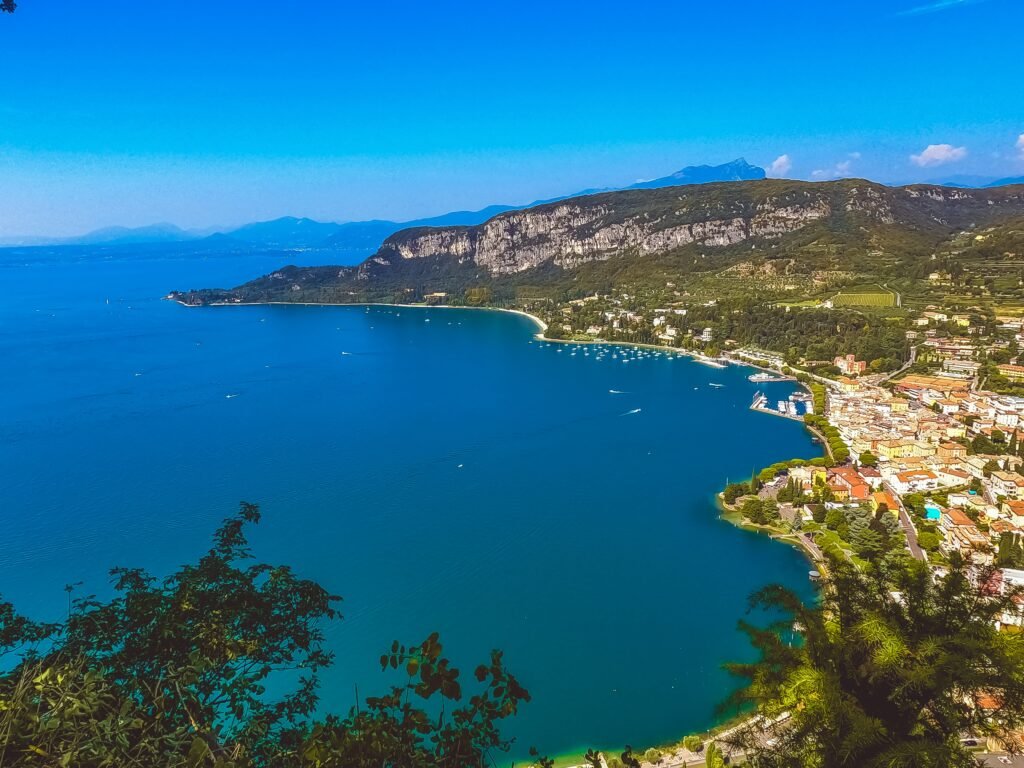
(178, 671)
(867, 459)
(875, 681)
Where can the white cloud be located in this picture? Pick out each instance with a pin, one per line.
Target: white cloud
(783, 165)
(936, 6)
(938, 154)
(1020, 145)
(840, 170)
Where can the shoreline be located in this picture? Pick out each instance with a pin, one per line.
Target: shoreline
(726, 514)
(536, 320)
(696, 356)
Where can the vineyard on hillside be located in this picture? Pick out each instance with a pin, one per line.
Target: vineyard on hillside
(867, 298)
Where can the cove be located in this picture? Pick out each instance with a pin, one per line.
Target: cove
(441, 469)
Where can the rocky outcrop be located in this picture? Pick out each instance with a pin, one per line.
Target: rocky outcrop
(852, 216)
(572, 233)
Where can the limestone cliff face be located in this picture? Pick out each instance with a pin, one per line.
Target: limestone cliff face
(787, 216)
(595, 227)
(587, 229)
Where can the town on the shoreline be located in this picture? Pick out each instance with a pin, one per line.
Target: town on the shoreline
(925, 444)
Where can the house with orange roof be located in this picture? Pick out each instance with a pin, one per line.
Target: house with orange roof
(878, 498)
(853, 485)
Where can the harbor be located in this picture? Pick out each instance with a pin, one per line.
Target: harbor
(795, 407)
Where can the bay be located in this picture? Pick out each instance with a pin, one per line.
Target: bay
(440, 469)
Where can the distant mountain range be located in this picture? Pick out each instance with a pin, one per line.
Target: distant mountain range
(742, 233)
(967, 181)
(366, 236)
(360, 238)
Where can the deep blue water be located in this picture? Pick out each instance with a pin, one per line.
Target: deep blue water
(449, 474)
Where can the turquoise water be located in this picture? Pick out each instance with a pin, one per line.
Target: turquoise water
(448, 474)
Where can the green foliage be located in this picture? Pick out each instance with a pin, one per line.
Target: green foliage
(733, 491)
(693, 743)
(176, 672)
(760, 511)
(928, 540)
(1010, 552)
(713, 757)
(478, 296)
(867, 459)
(837, 448)
(879, 682)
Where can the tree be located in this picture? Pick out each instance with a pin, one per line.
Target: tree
(713, 757)
(7, 6)
(875, 681)
(867, 459)
(1010, 552)
(175, 672)
(693, 743)
(733, 491)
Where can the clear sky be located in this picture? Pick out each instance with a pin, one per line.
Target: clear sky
(217, 112)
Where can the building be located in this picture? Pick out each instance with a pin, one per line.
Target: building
(1008, 484)
(707, 335)
(846, 483)
(914, 481)
(850, 366)
(965, 367)
(1012, 372)
(878, 498)
(951, 451)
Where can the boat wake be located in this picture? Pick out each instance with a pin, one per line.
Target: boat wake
(630, 413)
(617, 392)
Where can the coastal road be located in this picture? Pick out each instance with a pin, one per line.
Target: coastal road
(906, 365)
(908, 529)
(808, 542)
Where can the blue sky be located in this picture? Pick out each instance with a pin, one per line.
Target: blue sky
(216, 113)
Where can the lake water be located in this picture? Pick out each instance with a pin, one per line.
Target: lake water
(449, 474)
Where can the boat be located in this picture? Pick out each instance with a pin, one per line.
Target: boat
(763, 376)
(716, 386)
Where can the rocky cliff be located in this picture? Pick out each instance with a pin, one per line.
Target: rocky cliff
(729, 219)
(574, 232)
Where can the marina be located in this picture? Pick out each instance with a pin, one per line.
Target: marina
(795, 407)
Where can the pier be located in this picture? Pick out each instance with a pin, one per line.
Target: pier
(785, 409)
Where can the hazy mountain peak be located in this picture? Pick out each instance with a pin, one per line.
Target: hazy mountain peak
(735, 170)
